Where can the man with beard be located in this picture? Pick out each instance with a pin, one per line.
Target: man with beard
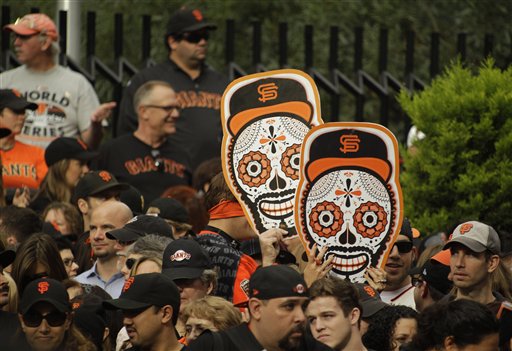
(399, 289)
(105, 273)
(277, 297)
(334, 314)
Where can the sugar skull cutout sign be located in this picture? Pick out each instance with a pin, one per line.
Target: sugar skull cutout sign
(349, 197)
(265, 119)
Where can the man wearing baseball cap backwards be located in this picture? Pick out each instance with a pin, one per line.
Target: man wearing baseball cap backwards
(475, 248)
(278, 295)
(46, 318)
(67, 102)
(198, 87)
(150, 304)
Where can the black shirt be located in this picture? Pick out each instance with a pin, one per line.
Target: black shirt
(199, 129)
(150, 170)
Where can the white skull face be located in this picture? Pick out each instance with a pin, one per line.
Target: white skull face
(350, 211)
(266, 158)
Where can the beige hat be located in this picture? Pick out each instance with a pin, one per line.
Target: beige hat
(477, 236)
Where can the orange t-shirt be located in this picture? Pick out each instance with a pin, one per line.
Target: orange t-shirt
(23, 165)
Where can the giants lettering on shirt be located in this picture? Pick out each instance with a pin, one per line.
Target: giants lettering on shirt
(191, 98)
(20, 170)
(147, 164)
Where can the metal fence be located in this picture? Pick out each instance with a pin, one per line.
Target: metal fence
(357, 84)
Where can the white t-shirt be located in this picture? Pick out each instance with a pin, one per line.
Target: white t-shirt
(66, 101)
(403, 296)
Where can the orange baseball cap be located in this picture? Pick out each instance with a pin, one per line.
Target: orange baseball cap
(32, 24)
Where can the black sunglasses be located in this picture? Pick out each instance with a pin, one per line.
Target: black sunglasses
(196, 37)
(403, 246)
(159, 161)
(54, 319)
(130, 262)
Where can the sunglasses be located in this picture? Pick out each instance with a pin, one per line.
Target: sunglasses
(159, 161)
(54, 319)
(195, 37)
(404, 246)
(130, 262)
(25, 37)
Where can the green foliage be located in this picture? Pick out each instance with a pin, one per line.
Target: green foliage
(462, 170)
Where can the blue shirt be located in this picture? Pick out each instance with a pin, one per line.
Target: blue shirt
(114, 286)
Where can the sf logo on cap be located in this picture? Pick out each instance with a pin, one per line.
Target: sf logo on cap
(267, 92)
(369, 290)
(299, 289)
(466, 227)
(105, 176)
(349, 143)
(43, 287)
(180, 255)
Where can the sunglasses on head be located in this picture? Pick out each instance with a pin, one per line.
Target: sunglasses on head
(130, 262)
(403, 246)
(158, 160)
(195, 37)
(54, 319)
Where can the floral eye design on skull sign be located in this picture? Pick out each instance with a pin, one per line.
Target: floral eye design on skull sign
(349, 198)
(265, 119)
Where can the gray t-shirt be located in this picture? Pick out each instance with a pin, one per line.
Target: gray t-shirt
(66, 102)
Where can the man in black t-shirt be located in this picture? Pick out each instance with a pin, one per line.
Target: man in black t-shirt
(148, 159)
(198, 87)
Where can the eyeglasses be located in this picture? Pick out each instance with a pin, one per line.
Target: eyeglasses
(130, 262)
(195, 37)
(169, 109)
(403, 246)
(159, 162)
(54, 319)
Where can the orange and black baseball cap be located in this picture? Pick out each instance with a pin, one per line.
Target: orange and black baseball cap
(47, 290)
(187, 20)
(362, 149)
(32, 24)
(277, 281)
(97, 182)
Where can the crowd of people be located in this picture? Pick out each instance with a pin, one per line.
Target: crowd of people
(138, 243)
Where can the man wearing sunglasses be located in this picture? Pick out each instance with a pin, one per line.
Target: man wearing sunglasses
(399, 289)
(199, 88)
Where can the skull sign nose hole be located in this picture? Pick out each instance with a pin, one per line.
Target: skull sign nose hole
(347, 238)
(277, 183)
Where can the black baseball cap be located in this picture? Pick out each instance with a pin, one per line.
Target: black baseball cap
(134, 199)
(67, 148)
(140, 226)
(436, 275)
(96, 182)
(276, 281)
(12, 99)
(145, 290)
(48, 290)
(185, 259)
(369, 299)
(187, 20)
(170, 209)
(6, 256)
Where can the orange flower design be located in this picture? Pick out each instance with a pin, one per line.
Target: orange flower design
(370, 220)
(326, 219)
(290, 161)
(254, 169)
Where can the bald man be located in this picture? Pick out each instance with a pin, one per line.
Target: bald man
(105, 273)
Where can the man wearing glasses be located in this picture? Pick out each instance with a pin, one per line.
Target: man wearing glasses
(399, 289)
(148, 159)
(198, 87)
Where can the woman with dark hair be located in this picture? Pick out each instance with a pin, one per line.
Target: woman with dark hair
(456, 325)
(46, 318)
(67, 162)
(390, 328)
(37, 257)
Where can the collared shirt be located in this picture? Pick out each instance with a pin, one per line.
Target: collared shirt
(403, 296)
(92, 277)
